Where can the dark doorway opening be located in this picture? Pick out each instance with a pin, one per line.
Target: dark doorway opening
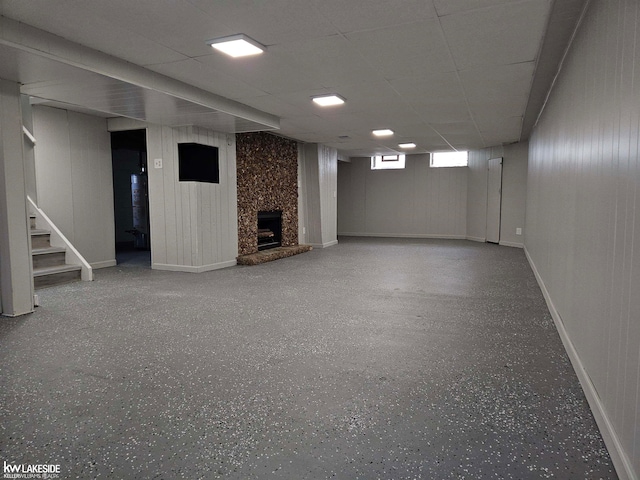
(131, 197)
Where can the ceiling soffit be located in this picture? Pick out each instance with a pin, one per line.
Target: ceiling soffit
(50, 67)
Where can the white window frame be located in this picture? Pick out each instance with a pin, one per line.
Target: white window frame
(449, 159)
(388, 162)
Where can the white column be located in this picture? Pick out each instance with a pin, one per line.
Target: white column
(16, 280)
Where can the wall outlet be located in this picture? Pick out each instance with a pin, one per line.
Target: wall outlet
(157, 163)
(304, 230)
(518, 231)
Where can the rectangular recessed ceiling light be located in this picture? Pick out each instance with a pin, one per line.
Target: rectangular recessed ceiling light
(237, 45)
(407, 145)
(382, 133)
(328, 100)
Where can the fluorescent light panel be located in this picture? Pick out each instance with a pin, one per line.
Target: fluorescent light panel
(385, 132)
(237, 45)
(407, 145)
(328, 100)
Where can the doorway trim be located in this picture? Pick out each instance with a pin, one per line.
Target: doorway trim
(494, 199)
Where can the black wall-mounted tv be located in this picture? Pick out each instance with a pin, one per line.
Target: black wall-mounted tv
(198, 163)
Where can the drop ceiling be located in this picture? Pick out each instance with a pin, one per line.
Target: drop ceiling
(444, 74)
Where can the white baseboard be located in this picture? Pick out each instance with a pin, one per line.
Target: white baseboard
(477, 239)
(620, 459)
(323, 245)
(192, 269)
(402, 235)
(104, 264)
(511, 244)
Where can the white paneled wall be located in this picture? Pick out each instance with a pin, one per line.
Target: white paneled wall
(318, 179)
(417, 201)
(514, 193)
(477, 195)
(74, 180)
(194, 225)
(328, 178)
(583, 217)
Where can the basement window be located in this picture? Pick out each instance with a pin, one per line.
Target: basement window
(449, 159)
(387, 162)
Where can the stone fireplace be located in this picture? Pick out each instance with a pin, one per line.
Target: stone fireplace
(267, 171)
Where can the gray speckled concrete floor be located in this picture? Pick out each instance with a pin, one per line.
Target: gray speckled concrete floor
(373, 359)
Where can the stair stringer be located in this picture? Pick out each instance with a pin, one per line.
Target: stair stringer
(72, 256)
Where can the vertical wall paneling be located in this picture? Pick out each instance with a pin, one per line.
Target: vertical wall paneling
(92, 196)
(477, 195)
(192, 223)
(313, 212)
(173, 226)
(514, 193)
(53, 167)
(230, 234)
(157, 212)
(328, 178)
(74, 180)
(582, 235)
(302, 195)
(320, 164)
(417, 201)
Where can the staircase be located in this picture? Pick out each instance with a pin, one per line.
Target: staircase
(49, 267)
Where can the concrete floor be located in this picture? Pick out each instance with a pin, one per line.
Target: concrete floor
(373, 359)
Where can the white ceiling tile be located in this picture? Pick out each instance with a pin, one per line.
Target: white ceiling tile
(358, 15)
(271, 72)
(371, 96)
(433, 110)
(447, 7)
(414, 49)
(176, 25)
(460, 128)
(493, 83)
(443, 86)
(506, 107)
(333, 60)
(500, 35)
(270, 22)
(507, 129)
(77, 20)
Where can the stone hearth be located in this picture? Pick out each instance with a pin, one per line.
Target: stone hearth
(272, 254)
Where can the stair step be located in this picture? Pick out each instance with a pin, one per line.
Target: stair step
(45, 250)
(48, 257)
(48, 276)
(56, 269)
(40, 238)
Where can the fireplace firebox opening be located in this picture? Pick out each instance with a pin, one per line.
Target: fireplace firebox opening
(269, 229)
